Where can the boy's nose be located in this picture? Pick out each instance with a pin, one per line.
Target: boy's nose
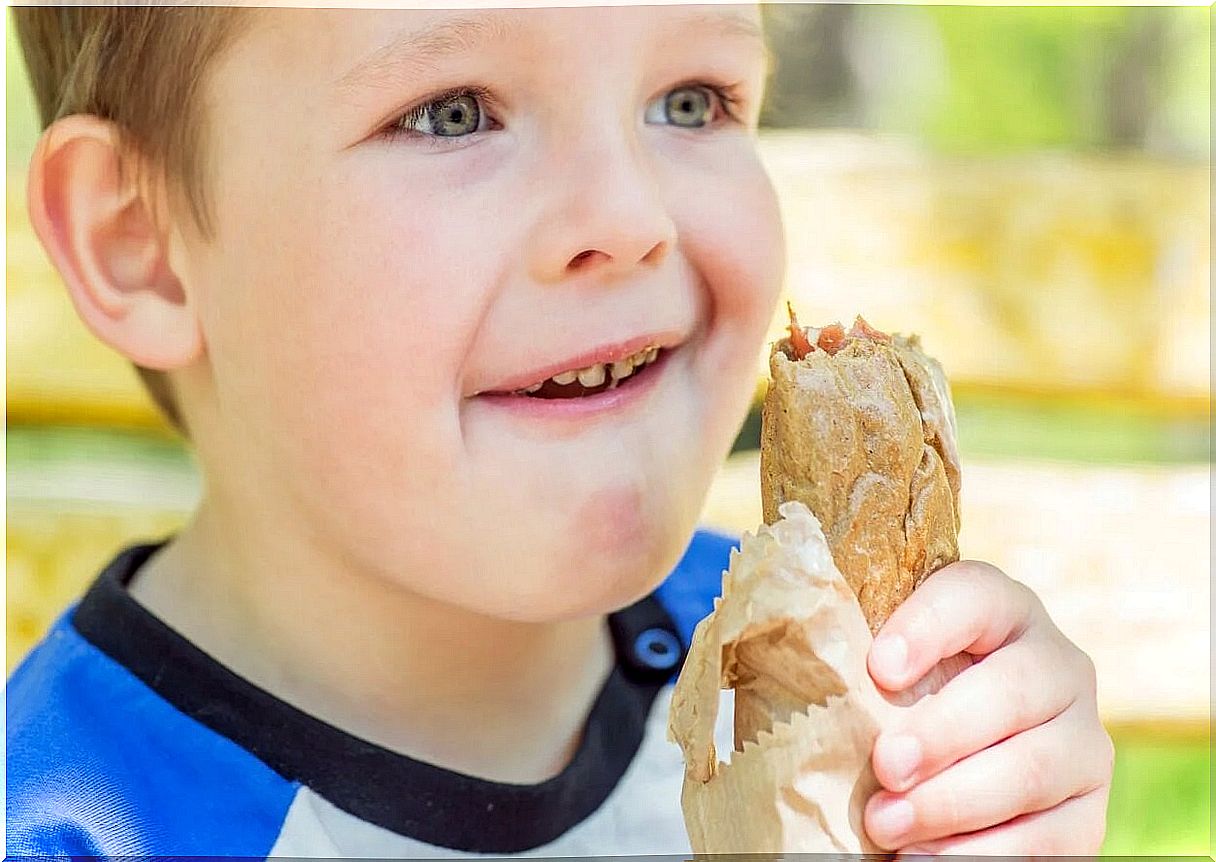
(603, 215)
(592, 256)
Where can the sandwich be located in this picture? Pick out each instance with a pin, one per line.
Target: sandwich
(860, 427)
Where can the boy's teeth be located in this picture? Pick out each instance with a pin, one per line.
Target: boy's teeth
(592, 375)
(620, 369)
(595, 375)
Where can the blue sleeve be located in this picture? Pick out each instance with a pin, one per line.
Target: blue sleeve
(99, 765)
(689, 591)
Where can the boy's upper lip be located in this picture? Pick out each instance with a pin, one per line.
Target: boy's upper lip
(605, 353)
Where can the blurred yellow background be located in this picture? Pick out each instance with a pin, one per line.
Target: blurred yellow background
(949, 172)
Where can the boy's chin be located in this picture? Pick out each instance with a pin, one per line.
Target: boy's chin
(596, 571)
(624, 545)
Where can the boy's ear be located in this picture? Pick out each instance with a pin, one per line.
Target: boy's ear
(103, 239)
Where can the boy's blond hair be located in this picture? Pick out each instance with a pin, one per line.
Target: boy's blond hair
(140, 67)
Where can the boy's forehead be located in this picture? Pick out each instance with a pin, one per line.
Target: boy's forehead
(347, 41)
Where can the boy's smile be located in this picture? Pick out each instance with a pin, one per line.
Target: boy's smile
(601, 381)
(483, 312)
(596, 370)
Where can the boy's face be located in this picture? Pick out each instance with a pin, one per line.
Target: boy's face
(372, 297)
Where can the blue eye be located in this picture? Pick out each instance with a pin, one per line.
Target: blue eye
(451, 115)
(694, 104)
(691, 106)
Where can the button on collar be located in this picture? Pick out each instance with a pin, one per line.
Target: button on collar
(648, 645)
(657, 648)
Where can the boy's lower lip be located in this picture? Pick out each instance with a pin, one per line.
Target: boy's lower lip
(609, 401)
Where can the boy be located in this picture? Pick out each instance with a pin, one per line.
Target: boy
(460, 312)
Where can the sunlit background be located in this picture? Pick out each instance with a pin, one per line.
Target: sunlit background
(1028, 188)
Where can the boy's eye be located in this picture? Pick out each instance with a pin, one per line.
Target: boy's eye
(690, 106)
(454, 116)
(450, 116)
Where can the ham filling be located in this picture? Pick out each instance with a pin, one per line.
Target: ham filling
(804, 340)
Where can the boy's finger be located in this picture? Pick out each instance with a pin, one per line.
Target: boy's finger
(967, 606)
(986, 703)
(1033, 771)
(1075, 827)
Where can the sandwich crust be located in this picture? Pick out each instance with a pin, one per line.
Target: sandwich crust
(864, 436)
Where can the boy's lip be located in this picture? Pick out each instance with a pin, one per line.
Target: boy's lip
(604, 354)
(572, 413)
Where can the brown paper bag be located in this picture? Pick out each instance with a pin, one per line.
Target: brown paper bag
(800, 782)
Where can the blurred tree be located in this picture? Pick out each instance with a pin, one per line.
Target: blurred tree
(1135, 77)
(991, 79)
(814, 81)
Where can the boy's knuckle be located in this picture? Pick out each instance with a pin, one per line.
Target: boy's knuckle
(1019, 699)
(954, 581)
(993, 575)
(982, 576)
(1038, 769)
(1028, 599)
(990, 583)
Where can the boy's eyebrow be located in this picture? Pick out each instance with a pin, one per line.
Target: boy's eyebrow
(736, 26)
(731, 25)
(417, 49)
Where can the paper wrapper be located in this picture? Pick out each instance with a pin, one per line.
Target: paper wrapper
(788, 631)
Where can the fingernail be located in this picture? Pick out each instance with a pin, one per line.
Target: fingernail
(901, 755)
(892, 819)
(890, 653)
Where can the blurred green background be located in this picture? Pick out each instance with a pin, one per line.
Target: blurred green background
(1028, 188)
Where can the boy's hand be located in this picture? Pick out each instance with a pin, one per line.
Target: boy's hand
(1009, 757)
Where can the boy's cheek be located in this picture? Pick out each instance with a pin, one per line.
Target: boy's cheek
(632, 530)
(741, 243)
